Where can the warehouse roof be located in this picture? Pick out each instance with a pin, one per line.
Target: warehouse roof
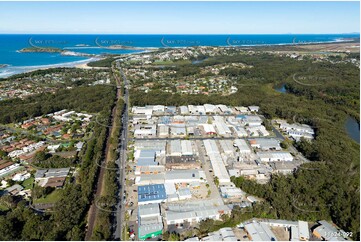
(182, 174)
(148, 210)
(148, 161)
(260, 232)
(266, 143)
(242, 145)
(186, 147)
(151, 193)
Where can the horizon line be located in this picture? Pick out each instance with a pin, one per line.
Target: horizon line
(358, 33)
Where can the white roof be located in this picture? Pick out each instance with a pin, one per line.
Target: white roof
(260, 232)
(222, 128)
(148, 210)
(226, 146)
(208, 128)
(175, 147)
(267, 143)
(210, 146)
(242, 146)
(303, 230)
(186, 147)
(185, 175)
(276, 156)
(219, 169)
(184, 109)
(210, 108)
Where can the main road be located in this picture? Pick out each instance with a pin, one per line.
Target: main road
(121, 161)
(94, 210)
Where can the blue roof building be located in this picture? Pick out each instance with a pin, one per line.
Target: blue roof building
(164, 120)
(146, 161)
(151, 194)
(241, 116)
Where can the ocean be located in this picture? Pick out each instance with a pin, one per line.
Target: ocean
(96, 45)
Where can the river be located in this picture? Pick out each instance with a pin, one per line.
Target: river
(281, 89)
(353, 129)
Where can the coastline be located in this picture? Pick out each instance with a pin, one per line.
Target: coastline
(9, 70)
(13, 70)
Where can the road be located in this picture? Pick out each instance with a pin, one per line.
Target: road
(93, 210)
(121, 161)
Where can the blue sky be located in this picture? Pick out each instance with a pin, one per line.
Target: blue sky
(180, 17)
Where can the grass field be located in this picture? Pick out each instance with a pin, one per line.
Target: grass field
(3, 208)
(51, 198)
(28, 183)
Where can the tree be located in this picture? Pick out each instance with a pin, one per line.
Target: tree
(216, 181)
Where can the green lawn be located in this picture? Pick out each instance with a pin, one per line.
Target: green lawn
(51, 198)
(28, 183)
(3, 208)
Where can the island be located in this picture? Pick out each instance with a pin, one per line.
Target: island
(41, 50)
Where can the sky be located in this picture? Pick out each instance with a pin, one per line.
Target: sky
(180, 17)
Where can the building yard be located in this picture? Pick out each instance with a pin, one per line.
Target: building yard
(182, 160)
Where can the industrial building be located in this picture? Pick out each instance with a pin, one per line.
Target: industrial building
(145, 130)
(151, 194)
(243, 147)
(224, 109)
(326, 231)
(178, 130)
(182, 162)
(163, 130)
(224, 234)
(157, 145)
(183, 110)
(227, 146)
(149, 231)
(240, 131)
(274, 156)
(143, 110)
(148, 179)
(184, 176)
(195, 211)
(259, 232)
(150, 221)
(221, 126)
(210, 108)
(299, 230)
(145, 170)
(217, 162)
(265, 143)
(209, 129)
(253, 108)
(251, 120)
(186, 146)
(175, 148)
(257, 131)
(146, 157)
(231, 192)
